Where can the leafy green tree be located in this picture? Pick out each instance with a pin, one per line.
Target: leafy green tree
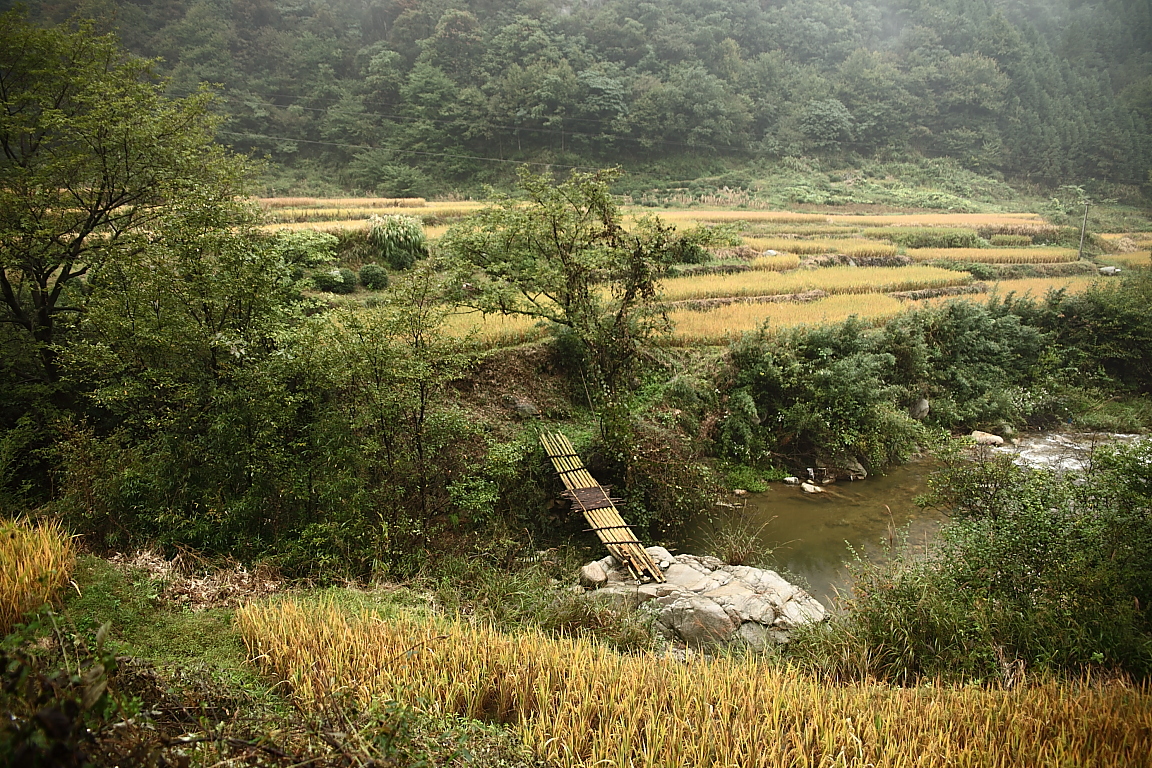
(562, 255)
(95, 159)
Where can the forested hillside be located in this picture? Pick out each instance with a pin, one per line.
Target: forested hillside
(422, 96)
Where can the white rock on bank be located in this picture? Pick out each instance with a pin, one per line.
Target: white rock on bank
(706, 602)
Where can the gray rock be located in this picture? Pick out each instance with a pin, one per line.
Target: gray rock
(660, 556)
(986, 438)
(685, 577)
(592, 575)
(755, 636)
(919, 409)
(792, 480)
(698, 621)
(809, 488)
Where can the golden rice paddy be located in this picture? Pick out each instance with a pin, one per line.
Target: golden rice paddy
(721, 325)
(858, 247)
(781, 262)
(1028, 255)
(1134, 259)
(1034, 287)
(35, 562)
(494, 330)
(574, 703)
(831, 279)
(938, 219)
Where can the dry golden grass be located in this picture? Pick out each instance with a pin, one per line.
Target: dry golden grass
(1134, 259)
(1029, 255)
(493, 330)
(345, 209)
(272, 203)
(858, 247)
(320, 225)
(1036, 287)
(576, 704)
(830, 279)
(697, 216)
(781, 262)
(722, 324)
(35, 562)
(938, 219)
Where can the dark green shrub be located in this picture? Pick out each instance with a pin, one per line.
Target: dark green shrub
(341, 280)
(373, 277)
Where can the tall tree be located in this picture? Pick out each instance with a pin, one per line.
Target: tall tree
(94, 158)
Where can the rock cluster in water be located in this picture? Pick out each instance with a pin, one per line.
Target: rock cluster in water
(705, 602)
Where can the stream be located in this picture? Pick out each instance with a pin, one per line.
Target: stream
(813, 535)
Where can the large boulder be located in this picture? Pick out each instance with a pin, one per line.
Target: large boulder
(698, 621)
(706, 602)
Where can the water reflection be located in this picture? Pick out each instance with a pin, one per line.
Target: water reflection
(813, 535)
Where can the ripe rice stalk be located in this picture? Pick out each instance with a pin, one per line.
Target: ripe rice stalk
(838, 279)
(847, 246)
(574, 703)
(270, 203)
(781, 262)
(1030, 255)
(36, 560)
(941, 220)
(488, 331)
(725, 323)
(1036, 287)
(1133, 260)
(695, 216)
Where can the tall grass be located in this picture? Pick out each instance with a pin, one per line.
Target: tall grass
(578, 704)
(35, 562)
(1031, 255)
(722, 324)
(831, 279)
(847, 246)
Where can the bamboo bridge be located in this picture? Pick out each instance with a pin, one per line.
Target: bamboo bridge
(599, 508)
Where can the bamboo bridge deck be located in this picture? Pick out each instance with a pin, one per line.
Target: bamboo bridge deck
(599, 508)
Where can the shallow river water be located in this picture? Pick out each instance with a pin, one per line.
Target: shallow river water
(813, 535)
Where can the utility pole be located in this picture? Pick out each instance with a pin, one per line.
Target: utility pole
(1083, 229)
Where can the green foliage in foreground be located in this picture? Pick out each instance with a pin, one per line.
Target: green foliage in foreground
(1035, 571)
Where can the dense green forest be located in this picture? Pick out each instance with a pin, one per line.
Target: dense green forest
(419, 97)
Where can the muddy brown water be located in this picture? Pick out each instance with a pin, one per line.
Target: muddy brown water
(813, 535)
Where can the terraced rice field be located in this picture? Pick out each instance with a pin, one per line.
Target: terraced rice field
(577, 705)
(855, 247)
(1028, 255)
(829, 279)
(1130, 260)
(722, 324)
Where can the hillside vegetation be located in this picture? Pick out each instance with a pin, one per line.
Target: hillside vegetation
(402, 98)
